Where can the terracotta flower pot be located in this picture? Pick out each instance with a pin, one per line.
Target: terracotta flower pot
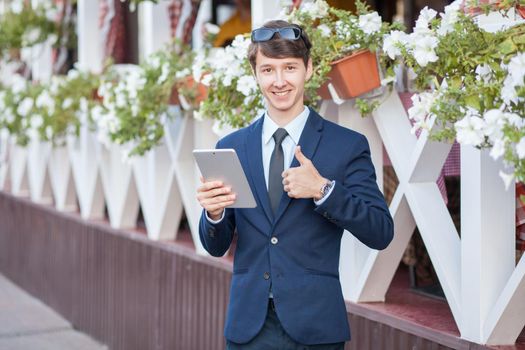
(353, 75)
(521, 10)
(192, 93)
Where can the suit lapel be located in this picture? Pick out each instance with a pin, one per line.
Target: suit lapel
(308, 141)
(254, 155)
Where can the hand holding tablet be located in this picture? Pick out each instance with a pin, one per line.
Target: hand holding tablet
(224, 165)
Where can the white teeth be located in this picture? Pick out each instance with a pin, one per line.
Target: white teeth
(281, 93)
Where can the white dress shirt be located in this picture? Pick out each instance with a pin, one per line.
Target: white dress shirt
(294, 130)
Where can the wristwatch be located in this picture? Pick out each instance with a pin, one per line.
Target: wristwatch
(325, 189)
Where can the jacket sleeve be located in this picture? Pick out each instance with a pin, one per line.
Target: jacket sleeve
(216, 238)
(357, 205)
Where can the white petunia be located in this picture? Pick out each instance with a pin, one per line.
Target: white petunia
(508, 91)
(25, 107)
(206, 79)
(370, 23)
(424, 50)
(470, 129)
(449, 18)
(164, 73)
(31, 36)
(325, 30)
(515, 120)
(67, 103)
(73, 74)
(483, 73)
(507, 178)
(516, 69)
(211, 28)
(246, 85)
(317, 9)
(17, 6)
(425, 16)
(393, 42)
(498, 149)
(494, 121)
(520, 148)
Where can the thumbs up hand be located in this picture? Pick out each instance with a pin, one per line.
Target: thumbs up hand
(303, 181)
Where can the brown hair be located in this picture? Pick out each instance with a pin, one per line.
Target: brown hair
(277, 47)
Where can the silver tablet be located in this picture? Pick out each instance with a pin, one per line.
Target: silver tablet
(224, 165)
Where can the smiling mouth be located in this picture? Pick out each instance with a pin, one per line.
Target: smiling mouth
(281, 93)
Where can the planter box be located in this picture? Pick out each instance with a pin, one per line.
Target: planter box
(353, 76)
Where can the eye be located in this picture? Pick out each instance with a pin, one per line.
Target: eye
(290, 68)
(267, 70)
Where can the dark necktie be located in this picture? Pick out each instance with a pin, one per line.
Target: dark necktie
(275, 179)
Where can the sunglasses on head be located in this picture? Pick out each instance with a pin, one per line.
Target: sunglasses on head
(265, 34)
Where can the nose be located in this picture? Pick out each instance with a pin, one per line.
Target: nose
(279, 80)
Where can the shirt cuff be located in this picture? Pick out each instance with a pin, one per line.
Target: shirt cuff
(215, 222)
(322, 200)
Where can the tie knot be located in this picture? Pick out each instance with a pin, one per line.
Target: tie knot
(279, 135)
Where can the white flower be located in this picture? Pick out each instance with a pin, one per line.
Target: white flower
(483, 73)
(317, 9)
(507, 178)
(211, 28)
(182, 73)
(154, 61)
(498, 149)
(73, 74)
(36, 121)
(325, 30)
(206, 79)
(246, 85)
(425, 16)
(370, 23)
(424, 50)
(393, 42)
(31, 36)
(25, 107)
(515, 120)
(494, 121)
(197, 115)
(449, 18)
(520, 148)
(67, 103)
(508, 91)
(44, 100)
(164, 73)
(516, 69)
(469, 130)
(18, 84)
(17, 6)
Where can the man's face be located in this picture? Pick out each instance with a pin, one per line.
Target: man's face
(281, 81)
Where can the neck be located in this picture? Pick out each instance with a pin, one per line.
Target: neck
(282, 118)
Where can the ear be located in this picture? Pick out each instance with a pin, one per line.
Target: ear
(309, 69)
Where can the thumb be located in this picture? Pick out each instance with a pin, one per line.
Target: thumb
(300, 156)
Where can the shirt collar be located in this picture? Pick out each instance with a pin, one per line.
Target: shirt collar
(294, 128)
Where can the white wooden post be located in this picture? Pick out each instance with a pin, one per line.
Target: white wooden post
(119, 187)
(37, 166)
(61, 177)
(90, 47)
(18, 170)
(263, 11)
(158, 191)
(487, 239)
(154, 27)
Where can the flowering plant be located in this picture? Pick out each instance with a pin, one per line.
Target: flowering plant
(233, 95)
(472, 81)
(61, 104)
(25, 25)
(135, 99)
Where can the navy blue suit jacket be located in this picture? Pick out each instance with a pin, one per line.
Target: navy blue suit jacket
(303, 266)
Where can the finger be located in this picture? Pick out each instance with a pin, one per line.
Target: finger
(219, 199)
(209, 185)
(222, 205)
(214, 192)
(300, 156)
(202, 179)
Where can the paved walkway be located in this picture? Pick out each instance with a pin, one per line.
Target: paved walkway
(27, 323)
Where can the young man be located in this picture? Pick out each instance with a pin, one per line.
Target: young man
(312, 180)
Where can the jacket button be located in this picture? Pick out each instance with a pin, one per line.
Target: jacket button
(266, 275)
(274, 240)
